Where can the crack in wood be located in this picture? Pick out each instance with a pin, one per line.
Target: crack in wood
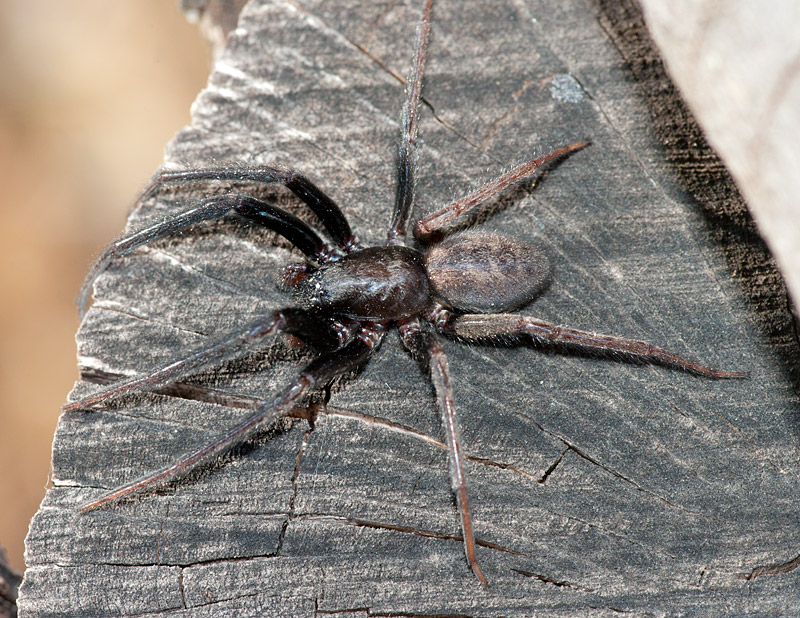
(551, 468)
(560, 583)
(160, 532)
(431, 534)
(225, 284)
(774, 569)
(631, 482)
(495, 126)
(181, 589)
(106, 306)
(370, 613)
(295, 474)
(421, 436)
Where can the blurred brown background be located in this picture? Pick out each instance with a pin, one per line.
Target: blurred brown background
(90, 92)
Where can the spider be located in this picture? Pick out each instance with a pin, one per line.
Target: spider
(459, 285)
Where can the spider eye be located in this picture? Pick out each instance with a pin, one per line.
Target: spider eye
(486, 272)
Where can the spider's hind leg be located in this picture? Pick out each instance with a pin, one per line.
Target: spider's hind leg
(425, 345)
(508, 326)
(318, 373)
(437, 224)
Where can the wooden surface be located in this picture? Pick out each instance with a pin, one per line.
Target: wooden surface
(696, 166)
(601, 487)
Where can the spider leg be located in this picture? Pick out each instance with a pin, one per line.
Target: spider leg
(326, 210)
(473, 327)
(407, 151)
(451, 215)
(426, 345)
(291, 320)
(318, 373)
(286, 224)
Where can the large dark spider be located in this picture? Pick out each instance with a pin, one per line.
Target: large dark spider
(349, 295)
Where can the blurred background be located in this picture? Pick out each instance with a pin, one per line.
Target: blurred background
(90, 92)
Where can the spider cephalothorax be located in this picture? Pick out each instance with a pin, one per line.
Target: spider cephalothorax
(348, 295)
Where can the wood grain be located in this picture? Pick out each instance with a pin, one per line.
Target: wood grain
(597, 486)
(737, 66)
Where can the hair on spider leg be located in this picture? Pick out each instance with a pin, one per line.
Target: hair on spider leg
(436, 225)
(514, 194)
(346, 296)
(194, 391)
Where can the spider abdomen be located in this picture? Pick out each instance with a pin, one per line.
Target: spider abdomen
(486, 272)
(376, 283)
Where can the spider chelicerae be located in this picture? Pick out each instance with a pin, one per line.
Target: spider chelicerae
(460, 285)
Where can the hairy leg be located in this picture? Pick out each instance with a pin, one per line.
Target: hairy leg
(448, 217)
(314, 376)
(476, 327)
(271, 217)
(407, 151)
(291, 320)
(326, 210)
(425, 345)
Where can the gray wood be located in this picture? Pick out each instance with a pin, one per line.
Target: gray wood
(600, 487)
(696, 166)
(738, 69)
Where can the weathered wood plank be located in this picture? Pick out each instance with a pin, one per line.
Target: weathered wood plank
(738, 70)
(600, 487)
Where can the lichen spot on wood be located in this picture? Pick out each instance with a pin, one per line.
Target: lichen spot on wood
(486, 272)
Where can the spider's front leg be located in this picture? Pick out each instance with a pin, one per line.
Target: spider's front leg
(409, 120)
(438, 223)
(326, 210)
(425, 345)
(263, 213)
(483, 327)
